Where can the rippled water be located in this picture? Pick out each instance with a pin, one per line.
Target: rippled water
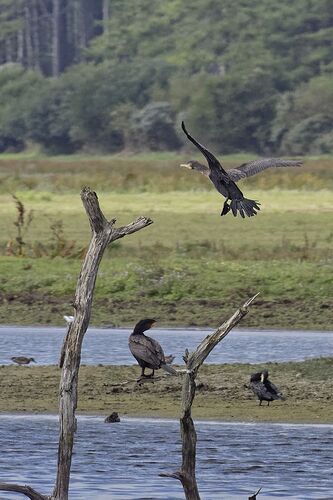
(122, 461)
(110, 346)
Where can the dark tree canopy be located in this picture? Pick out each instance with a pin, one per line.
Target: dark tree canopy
(247, 75)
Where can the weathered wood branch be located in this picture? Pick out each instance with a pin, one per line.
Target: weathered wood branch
(24, 490)
(103, 233)
(193, 361)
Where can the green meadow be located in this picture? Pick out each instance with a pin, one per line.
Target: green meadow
(191, 267)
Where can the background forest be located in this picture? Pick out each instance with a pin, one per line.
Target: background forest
(113, 75)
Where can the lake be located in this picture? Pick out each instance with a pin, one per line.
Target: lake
(110, 345)
(123, 461)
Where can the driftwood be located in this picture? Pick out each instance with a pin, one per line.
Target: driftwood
(186, 474)
(103, 233)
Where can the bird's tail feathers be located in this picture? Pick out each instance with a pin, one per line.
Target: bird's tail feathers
(245, 207)
(169, 369)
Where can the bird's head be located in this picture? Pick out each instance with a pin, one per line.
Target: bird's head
(143, 325)
(32, 359)
(195, 165)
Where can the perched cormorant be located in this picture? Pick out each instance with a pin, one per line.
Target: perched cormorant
(224, 180)
(147, 351)
(263, 388)
(22, 360)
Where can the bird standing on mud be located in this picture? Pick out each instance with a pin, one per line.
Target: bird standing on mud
(263, 388)
(22, 360)
(224, 180)
(147, 351)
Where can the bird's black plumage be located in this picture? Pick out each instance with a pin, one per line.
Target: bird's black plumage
(147, 351)
(224, 180)
(263, 388)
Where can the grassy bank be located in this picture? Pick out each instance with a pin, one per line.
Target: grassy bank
(191, 267)
(222, 392)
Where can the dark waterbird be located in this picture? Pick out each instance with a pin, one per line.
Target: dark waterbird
(147, 351)
(263, 388)
(225, 180)
(22, 360)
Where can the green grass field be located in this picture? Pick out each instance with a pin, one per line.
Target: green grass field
(191, 267)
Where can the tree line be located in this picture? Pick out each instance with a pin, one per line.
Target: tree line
(112, 75)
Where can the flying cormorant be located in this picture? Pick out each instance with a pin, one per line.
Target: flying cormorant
(224, 180)
(22, 360)
(263, 388)
(147, 351)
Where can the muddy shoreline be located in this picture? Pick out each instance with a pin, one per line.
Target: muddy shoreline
(222, 392)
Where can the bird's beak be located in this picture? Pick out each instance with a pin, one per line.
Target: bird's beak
(186, 165)
(262, 377)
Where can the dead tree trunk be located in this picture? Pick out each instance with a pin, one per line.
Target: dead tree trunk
(103, 233)
(186, 474)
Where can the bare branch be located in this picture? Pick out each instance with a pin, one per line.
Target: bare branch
(135, 226)
(196, 358)
(24, 489)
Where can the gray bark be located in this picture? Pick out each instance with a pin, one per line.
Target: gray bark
(103, 233)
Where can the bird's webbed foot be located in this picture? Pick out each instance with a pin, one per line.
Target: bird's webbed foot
(226, 207)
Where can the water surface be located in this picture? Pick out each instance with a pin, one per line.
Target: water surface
(123, 461)
(110, 346)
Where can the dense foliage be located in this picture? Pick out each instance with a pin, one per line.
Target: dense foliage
(247, 76)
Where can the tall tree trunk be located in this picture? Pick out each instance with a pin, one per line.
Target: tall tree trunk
(35, 34)
(20, 47)
(28, 40)
(9, 49)
(56, 37)
(106, 15)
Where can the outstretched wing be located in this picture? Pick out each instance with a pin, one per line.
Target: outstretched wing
(256, 166)
(214, 165)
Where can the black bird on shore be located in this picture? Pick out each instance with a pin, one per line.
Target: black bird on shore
(224, 180)
(263, 388)
(22, 360)
(147, 351)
